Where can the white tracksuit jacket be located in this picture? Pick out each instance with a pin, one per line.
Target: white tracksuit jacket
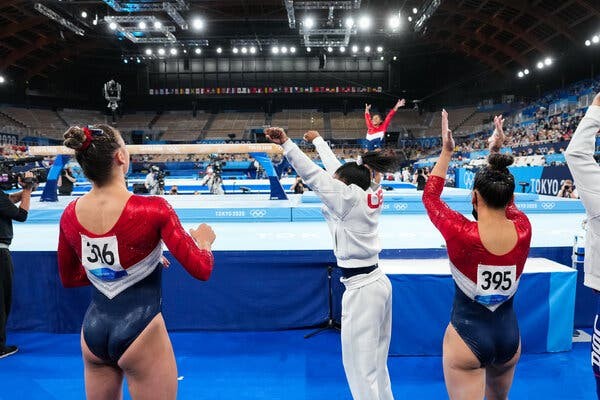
(352, 213)
(586, 173)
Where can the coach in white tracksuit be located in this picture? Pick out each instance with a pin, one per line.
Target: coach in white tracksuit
(586, 173)
(352, 213)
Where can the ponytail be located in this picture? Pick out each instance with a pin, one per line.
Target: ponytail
(359, 173)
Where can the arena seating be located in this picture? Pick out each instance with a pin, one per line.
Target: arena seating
(181, 125)
(233, 122)
(42, 121)
(82, 117)
(297, 122)
(349, 126)
(140, 120)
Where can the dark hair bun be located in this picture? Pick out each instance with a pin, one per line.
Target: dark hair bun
(74, 138)
(500, 162)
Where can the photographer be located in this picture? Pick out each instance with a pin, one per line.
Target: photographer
(567, 190)
(8, 213)
(213, 178)
(65, 182)
(155, 181)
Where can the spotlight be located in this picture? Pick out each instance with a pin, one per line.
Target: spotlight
(395, 58)
(292, 49)
(394, 22)
(520, 74)
(95, 21)
(409, 19)
(379, 49)
(367, 49)
(198, 50)
(84, 14)
(309, 22)
(197, 24)
(253, 50)
(244, 50)
(173, 52)
(548, 61)
(588, 43)
(148, 52)
(364, 23)
(355, 49)
(219, 50)
(342, 49)
(308, 49)
(283, 50)
(596, 39)
(142, 25)
(157, 24)
(161, 52)
(125, 61)
(184, 51)
(540, 65)
(415, 10)
(329, 49)
(381, 58)
(235, 50)
(275, 50)
(2, 79)
(349, 22)
(526, 72)
(138, 60)
(112, 26)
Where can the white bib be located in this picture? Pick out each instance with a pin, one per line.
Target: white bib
(100, 256)
(495, 284)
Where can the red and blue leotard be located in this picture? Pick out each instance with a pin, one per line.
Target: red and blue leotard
(485, 282)
(123, 265)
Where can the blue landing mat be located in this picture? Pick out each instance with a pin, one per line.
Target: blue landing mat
(276, 366)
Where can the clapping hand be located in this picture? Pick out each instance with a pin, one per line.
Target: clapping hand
(204, 236)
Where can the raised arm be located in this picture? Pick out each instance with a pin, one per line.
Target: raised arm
(330, 161)
(336, 195)
(368, 116)
(448, 221)
(388, 118)
(194, 254)
(581, 162)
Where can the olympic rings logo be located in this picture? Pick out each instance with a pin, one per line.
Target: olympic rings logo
(548, 206)
(258, 213)
(400, 206)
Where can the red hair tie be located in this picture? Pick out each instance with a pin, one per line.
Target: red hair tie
(88, 139)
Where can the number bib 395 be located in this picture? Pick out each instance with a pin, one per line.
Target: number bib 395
(100, 257)
(495, 284)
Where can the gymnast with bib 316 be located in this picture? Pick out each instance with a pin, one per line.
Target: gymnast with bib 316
(113, 240)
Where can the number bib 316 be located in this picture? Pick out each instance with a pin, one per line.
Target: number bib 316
(100, 257)
(495, 284)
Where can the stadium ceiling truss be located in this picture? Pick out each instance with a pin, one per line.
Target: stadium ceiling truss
(504, 35)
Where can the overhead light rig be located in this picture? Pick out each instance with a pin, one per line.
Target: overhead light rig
(129, 25)
(172, 8)
(53, 15)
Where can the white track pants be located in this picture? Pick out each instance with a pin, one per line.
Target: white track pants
(366, 334)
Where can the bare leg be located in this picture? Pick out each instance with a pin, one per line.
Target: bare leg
(499, 378)
(149, 364)
(102, 381)
(465, 379)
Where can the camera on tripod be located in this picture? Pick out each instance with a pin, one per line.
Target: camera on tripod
(217, 164)
(159, 177)
(9, 179)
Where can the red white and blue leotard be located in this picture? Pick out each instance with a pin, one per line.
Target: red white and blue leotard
(123, 265)
(486, 283)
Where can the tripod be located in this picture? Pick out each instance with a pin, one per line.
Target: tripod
(331, 323)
